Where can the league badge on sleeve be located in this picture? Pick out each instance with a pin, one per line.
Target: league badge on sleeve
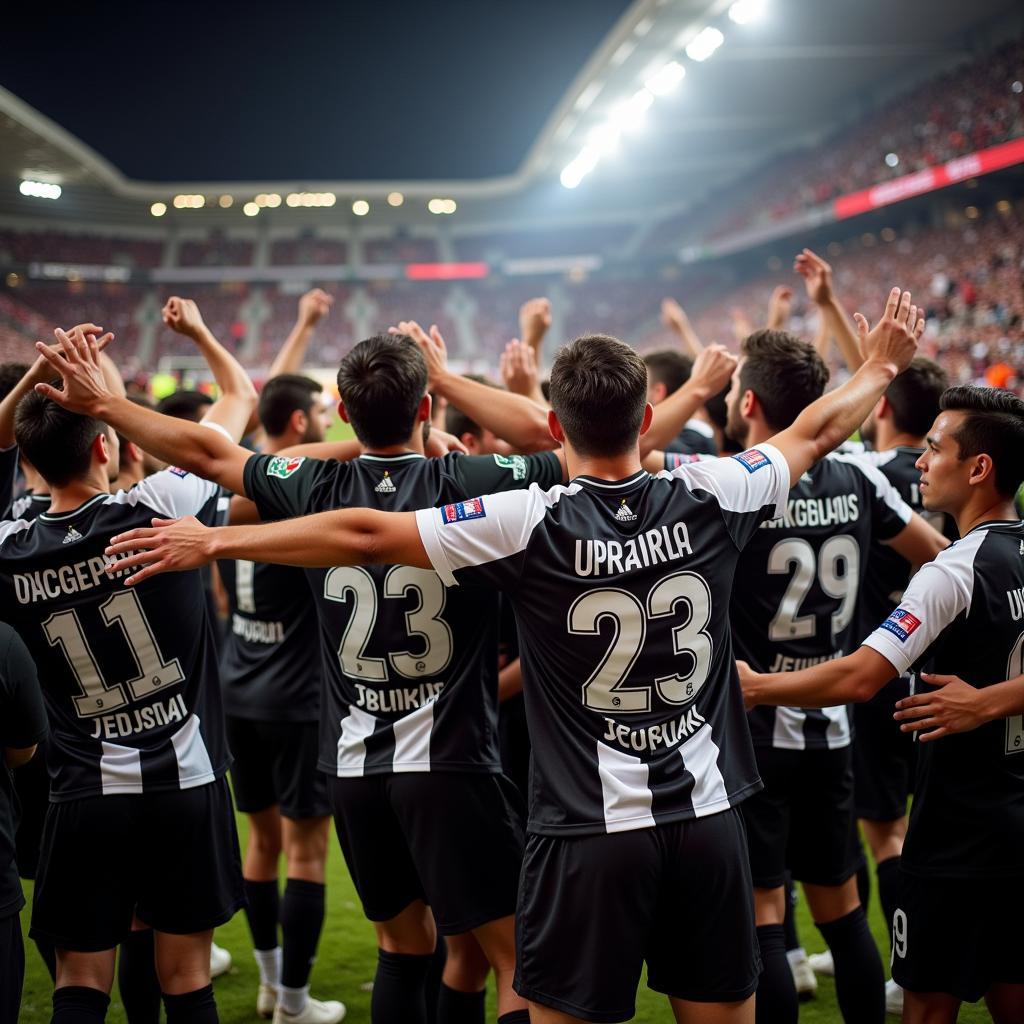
(283, 467)
(463, 510)
(901, 624)
(752, 460)
(178, 471)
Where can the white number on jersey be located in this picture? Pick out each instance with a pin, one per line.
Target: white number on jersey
(245, 573)
(424, 622)
(1015, 723)
(64, 629)
(604, 690)
(899, 935)
(788, 624)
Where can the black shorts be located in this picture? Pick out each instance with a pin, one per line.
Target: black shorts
(592, 909)
(451, 839)
(884, 759)
(959, 936)
(12, 968)
(275, 764)
(32, 786)
(170, 857)
(803, 821)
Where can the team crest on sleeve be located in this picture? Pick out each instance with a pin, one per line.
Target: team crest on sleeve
(463, 510)
(901, 624)
(178, 471)
(752, 460)
(283, 467)
(516, 463)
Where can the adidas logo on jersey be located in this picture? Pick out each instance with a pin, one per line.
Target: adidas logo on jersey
(386, 486)
(624, 514)
(71, 536)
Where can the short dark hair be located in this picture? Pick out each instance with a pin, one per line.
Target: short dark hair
(382, 382)
(668, 367)
(456, 421)
(281, 396)
(914, 396)
(10, 374)
(57, 442)
(785, 373)
(599, 394)
(185, 405)
(994, 426)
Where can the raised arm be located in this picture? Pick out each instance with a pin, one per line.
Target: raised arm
(513, 418)
(534, 323)
(313, 307)
(817, 275)
(829, 421)
(711, 372)
(235, 409)
(356, 536)
(779, 308)
(193, 446)
(674, 317)
(520, 373)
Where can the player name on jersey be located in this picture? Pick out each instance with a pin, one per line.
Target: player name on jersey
(605, 558)
(65, 580)
(838, 509)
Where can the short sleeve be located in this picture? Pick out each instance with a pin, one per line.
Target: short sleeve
(173, 493)
(482, 540)
(281, 485)
(23, 716)
(937, 594)
(750, 487)
(889, 512)
(489, 474)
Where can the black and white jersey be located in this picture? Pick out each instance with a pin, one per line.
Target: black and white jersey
(270, 655)
(696, 438)
(621, 591)
(963, 615)
(24, 505)
(797, 588)
(888, 571)
(409, 669)
(129, 674)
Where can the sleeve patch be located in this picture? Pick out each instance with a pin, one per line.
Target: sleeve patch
(178, 471)
(673, 460)
(463, 510)
(283, 467)
(752, 460)
(901, 624)
(516, 463)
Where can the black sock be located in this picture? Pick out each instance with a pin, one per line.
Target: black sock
(77, 1004)
(515, 1017)
(455, 1007)
(864, 885)
(776, 992)
(860, 982)
(302, 919)
(261, 910)
(789, 921)
(888, 873)
(432, 986)
(49, 955)
(197, 1007)
(137, 980)
(398, 988)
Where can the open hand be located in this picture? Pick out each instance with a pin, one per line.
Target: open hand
(170, 545)
(955, 707)
(432, 345)
(519, 369)
(894, 338)
(817, 275)
(76, 357)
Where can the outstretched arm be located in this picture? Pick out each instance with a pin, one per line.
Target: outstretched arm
(313, 307)
(534, 323)
(513, 418)
(829, 421)
(235, 409)
(779, 308)
(817, 275)
(357, 536)
(675, 319)
(193, 446)
(957, 706)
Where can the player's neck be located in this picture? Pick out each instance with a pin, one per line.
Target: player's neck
(985, 510)
(615, 467)
(888, 438)
(414, 444)
(757, 433)
(76, 494)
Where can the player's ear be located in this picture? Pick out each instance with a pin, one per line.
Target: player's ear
(748, 404)
(298, 421)
(556, 428)
(645, 424)
(883, 408)
(341, 411)
(982, 470)
(423, 412)
(133, 452)
(101, 448)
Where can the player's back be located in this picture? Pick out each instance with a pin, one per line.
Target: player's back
(410, 668)
(798, 585)
(128, 673)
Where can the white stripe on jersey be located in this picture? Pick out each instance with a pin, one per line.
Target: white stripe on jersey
(883, 487)
(624, 789)
(120, 769)
(194, 767)
(700, 758)
(788, 733)
(838, 732)
(412, 740)
(11, 527)
(355, 727)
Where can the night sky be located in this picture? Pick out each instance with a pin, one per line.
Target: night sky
(346, 90)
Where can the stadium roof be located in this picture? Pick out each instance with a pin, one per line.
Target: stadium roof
(486, 103)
